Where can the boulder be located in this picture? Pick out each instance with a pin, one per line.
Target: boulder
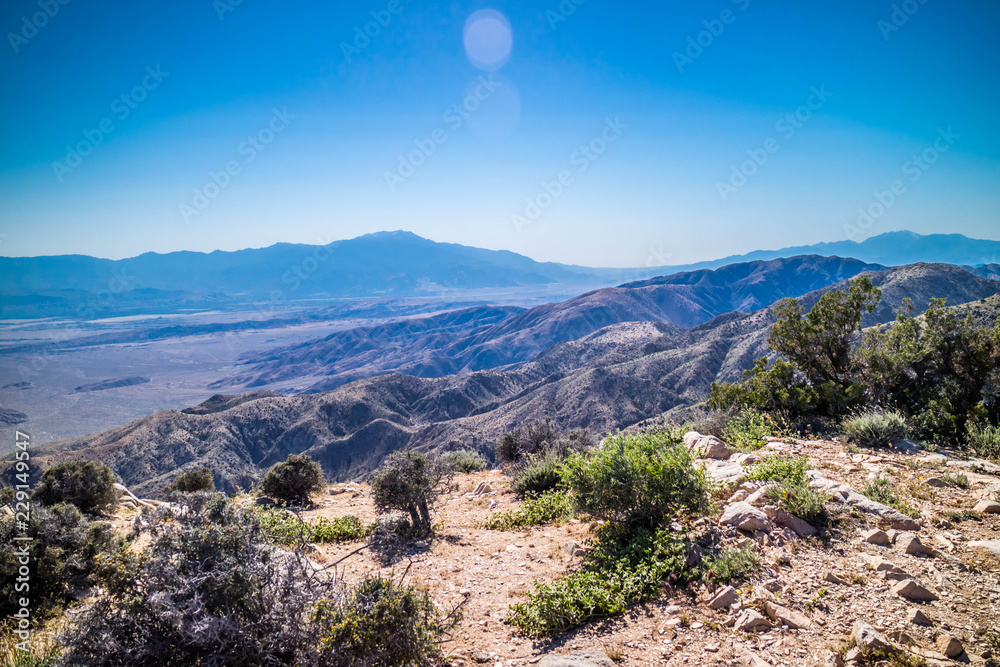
(785, 616)
(577, 659)
(950, 646)
(991, 546)
(917, 617)
(910, 544)
(751, 620)
(868, 638)
(706, 446)
(847, 495)
(745, 517)
(911, 590)
(724, 598)
(876, 536)
(784, 518)
(751, 659)
(987, 507)
(725, 472)
(758, 498)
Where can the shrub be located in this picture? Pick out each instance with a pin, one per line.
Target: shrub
(293, 480)
(287, 528)
(985, 440)
(779, 469)
(410, 482)
(382, 624)
(87, 484)
(875, 428)
(961, 480)
(801, 500)
(640, 478)
(62, 556)
(623, 568)
(541, 472)
(465, 461)
(733, 564)
(536, 437)
(534, 511)
(191, 481)
(880, 490)
(745, 432)
(209, 589)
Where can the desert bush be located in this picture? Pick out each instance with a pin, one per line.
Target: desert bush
(293, 480)
(961, 480)
(87, 484)
(531, 439)
(410, 482)
(208, 590)
(875, 428)
(537, 474)
(287, 528)
(779, 469)
(881, 490)
(745, 431)
(62, 553)
(465, 461)
(382, 623)
(191, 481)
(624, 567)
(641, 478)
(801, 500)
(985, 440)
(733, 564)
(550, 506)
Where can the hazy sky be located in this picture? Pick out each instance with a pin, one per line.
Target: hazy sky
(598, 133)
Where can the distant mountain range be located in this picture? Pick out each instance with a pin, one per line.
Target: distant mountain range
(385, 264)
(613, 378)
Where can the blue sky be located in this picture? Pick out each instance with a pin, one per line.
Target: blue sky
(591, 142)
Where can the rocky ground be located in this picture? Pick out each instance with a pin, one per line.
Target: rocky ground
(926, 587)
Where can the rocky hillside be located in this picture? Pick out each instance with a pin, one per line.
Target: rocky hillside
(614, 378)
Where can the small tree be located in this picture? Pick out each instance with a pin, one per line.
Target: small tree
(410, 482)
(191, 481)
(87, 484)
(293, 480)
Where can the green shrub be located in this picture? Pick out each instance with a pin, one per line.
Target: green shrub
(745, 432)
(623, 568)
(875, 428)
(641, 478)
(191, 481)
(287, 528)
(733, 564)
(293, 480)
(801, 500)
(779, 469)
(881, 490)
(63, 556)
(410, 482)
(540, 473)
(87, 484)
(985, 440)
(465, 461)
(381, 624)
(961, 480)
(550, 506)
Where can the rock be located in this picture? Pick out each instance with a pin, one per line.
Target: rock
(833, 660)
(992, 546)
(751, 620)
(917, 617)
(785, 616)
(263, 501)
(944, 542)
(785, 518)
(751, 659)
(574, 549)
(936, 482)
(868, 638)
(725, 472)
(336, 490)
(577, 659)
(745, 517)
(976, 465)
(480, 656)
(950, 646)
(706, 446)
(880, 564)
(987, 507)
(724, 598)
(759, 497)
(853, 656)
(876, 537)
(741, 494)
(512, 548)
(481, 489)
(833, 578)
(911, 590)
(911, 544)
(744, 459)
(845, 494)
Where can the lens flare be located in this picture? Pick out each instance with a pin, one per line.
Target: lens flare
(488, 39)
